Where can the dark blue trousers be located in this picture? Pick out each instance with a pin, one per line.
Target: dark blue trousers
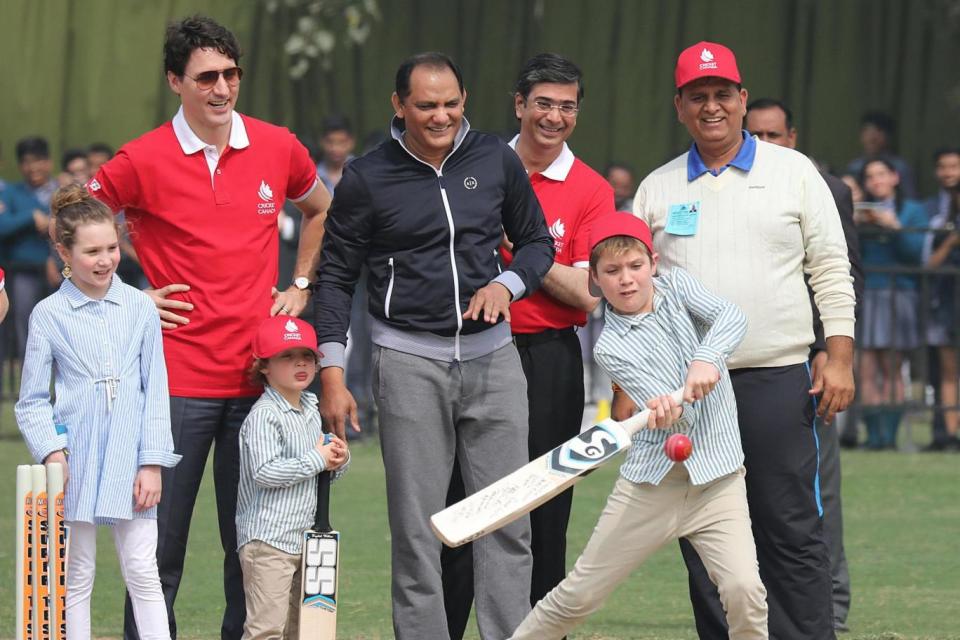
(776, 417)
(198, 424)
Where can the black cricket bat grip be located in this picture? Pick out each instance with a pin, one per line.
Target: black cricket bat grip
(322, 519)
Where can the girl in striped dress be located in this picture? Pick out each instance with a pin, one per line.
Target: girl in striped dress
(109, 421)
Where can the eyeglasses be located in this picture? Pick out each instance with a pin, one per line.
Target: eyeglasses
(208, 79)
(565, 109)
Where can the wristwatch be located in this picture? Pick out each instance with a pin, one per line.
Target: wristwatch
(302, 283)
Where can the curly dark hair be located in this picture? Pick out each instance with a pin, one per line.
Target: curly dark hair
(196, 32)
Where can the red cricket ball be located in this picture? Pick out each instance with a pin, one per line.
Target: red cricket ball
(678, 447)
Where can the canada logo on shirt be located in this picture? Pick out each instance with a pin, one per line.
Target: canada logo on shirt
(556, 232)
(266, 206)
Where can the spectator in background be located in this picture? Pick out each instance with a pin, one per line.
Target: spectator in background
(942, 249)
(853, 181)
(74, 168)
(97, 154)
(23, 232)
(336, 147)
(877, 133)
(620, 177)
(888, 324)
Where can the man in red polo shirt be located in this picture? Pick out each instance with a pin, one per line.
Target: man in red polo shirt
(547, 99)
(201, 195)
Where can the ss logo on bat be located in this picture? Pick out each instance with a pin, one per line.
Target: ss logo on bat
(587, 450)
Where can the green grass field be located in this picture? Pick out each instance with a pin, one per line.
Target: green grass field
(902, 540)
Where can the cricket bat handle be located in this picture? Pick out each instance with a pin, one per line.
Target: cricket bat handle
(638, 421)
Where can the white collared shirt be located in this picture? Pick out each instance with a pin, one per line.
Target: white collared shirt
(560, 166)
(190, 142)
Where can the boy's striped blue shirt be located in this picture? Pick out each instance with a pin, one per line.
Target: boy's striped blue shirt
(649, 354)
(279, 463)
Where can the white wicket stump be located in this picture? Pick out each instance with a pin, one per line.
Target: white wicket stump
(41, 553)
(318, 611)
(24, 553)
(57, 544)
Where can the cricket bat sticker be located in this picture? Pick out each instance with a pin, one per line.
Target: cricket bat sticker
(590, 448)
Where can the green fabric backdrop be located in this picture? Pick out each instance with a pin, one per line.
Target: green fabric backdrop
(79, 71)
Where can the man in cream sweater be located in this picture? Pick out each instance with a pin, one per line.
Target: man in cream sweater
(748, 219)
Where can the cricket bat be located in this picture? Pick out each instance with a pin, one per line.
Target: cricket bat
(41, 559)
(57, 536)
(319, 571)
(24, 586)
(537, 482)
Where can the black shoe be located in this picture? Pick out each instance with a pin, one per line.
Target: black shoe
(952, 444)
(936, 446)
(840, 627)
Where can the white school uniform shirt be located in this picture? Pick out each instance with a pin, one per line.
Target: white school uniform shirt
(111, 406)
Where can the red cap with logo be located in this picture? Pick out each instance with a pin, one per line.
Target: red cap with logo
(703, 60)
(280, 333)
(620, 224)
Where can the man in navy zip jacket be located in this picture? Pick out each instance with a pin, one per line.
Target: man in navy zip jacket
(425, 213)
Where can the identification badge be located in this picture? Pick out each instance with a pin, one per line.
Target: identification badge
(682, 219)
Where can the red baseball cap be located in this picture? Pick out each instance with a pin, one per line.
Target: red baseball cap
(617, 224)
(280, 333)
(620, 224)
(703, 60)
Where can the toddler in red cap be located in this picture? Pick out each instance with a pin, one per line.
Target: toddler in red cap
(282, 450)
(662, 332)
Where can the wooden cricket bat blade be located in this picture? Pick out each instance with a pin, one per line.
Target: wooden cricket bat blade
(537, 482)
(320, 571)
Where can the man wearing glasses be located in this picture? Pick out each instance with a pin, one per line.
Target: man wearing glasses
(547, 98)
(202, 194)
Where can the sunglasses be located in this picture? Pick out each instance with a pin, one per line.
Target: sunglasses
(208, 79)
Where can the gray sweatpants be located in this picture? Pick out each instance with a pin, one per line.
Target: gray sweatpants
(429, 411)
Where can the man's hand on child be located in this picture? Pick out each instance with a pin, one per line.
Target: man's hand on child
(146, 488)
(664, 411)
(291, 302)
(702, 377)
(169, 319)
(334, 452)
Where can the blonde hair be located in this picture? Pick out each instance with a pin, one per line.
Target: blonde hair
(616, 246)
(72, 207)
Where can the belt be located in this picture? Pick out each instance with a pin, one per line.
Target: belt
(530, 339)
